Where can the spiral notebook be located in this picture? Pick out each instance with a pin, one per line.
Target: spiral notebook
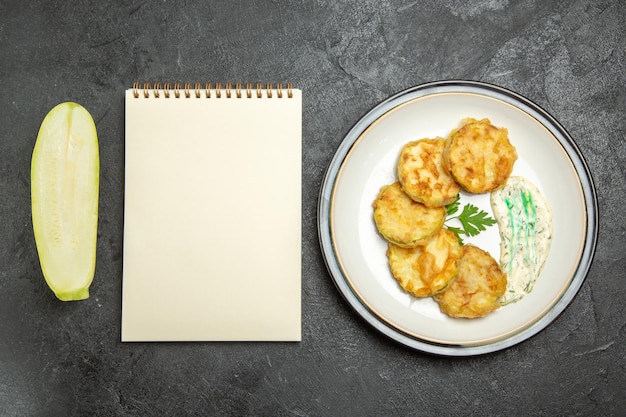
(212, 213)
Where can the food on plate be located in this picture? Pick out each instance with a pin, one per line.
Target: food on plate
(421, 173)
(525, 223)
(477, 288)
(421, 217)
(426, 270)
(65, 170)
(471, 221)
(479, 156)
(403, 221)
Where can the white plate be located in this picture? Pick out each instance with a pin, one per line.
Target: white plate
(366, 160)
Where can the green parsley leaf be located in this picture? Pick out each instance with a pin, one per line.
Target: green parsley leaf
(473, 221)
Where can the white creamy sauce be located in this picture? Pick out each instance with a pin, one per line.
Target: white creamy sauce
(525, 223)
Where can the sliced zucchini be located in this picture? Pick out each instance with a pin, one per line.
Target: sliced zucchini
(65, 175)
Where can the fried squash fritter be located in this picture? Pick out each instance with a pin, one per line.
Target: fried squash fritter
(403, 221)
(421, 173)
(479, 156)
(426, 270)
(477, 288)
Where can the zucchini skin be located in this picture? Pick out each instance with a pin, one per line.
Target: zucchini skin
(65, 176)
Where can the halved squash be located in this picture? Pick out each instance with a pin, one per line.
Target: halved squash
(65, 176)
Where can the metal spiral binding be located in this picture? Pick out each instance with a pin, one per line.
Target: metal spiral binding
(197, 90)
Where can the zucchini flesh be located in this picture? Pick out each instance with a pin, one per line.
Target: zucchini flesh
(65, 175)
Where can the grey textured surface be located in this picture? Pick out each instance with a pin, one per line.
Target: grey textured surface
(66, 359)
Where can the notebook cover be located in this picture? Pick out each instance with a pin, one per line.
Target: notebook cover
(212, 219)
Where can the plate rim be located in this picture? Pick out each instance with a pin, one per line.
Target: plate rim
(492, 91)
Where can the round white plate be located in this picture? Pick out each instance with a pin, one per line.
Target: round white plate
(366, 160)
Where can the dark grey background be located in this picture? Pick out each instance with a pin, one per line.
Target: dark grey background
(66, 359)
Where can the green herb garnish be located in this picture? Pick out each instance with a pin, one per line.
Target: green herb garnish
(472, 219)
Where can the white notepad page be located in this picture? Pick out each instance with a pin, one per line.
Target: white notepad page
(212, 218)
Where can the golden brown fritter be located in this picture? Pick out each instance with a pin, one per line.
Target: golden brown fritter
(426, 270)
(404, 221)
(421, 173)
(479, 156)
(476, 290)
